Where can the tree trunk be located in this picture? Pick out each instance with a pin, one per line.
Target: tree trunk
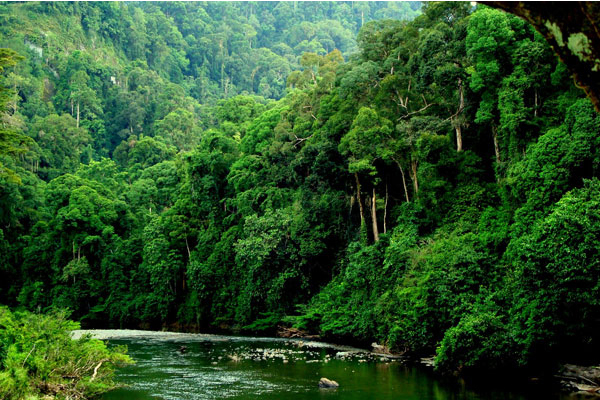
(222, 63)
(385, 209)
(403, 180)
(374, 217)
(459, 144)
(496, 146)
(252, 75)
(77, 113)
(16, 99)
(413, 175)
(187, 246)
(535, 108)
(457, 125)
(360, 205)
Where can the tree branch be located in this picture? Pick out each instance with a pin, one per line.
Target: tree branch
(300, 140)
(96, 369)
(425, 107)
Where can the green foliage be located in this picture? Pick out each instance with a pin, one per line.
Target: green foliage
(359, 303)
(63, 143)
(481, 341)
(429, 185)
(445, 280)
(266, 324)
(361, 142)
(560, 159)
(554, 279)
(38, 357)
(346, 306)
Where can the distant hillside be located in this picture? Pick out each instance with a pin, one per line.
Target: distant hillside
(212, 49)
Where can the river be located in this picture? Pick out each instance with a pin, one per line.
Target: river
(198, 367)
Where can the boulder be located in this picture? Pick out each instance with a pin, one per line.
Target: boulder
(380, 349)
(325, 383)
(592, 374)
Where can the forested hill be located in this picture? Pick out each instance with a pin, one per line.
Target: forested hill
(428, 184)
(115, 65)
(211, 49)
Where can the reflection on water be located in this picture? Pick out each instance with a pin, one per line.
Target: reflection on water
(275, 369)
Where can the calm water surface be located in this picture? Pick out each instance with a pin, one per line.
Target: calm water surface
(250, 368)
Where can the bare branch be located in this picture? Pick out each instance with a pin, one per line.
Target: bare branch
(416, 112)
(30, 351)
(300, 140)
(96, 369)
(310, 112)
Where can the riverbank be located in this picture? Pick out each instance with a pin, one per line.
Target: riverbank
(580, 379)
(114, 334)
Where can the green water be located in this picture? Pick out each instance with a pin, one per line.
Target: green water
(246, 368)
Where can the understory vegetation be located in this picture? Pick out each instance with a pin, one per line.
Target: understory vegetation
(38, 359)
(423, 177)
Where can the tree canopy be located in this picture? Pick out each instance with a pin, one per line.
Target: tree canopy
(423, 177)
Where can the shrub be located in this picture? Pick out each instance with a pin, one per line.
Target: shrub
(38, 357)
(479, 341)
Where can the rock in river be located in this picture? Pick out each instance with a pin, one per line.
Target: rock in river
(327, 384)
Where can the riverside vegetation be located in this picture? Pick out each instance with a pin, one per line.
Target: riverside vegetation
(422, 177)
(40, 358)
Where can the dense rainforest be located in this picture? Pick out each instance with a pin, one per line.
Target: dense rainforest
(424, 176)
